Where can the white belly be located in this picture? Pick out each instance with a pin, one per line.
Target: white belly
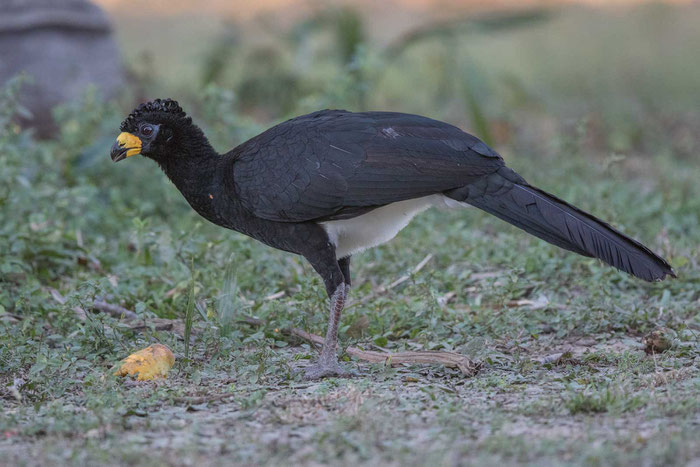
(351, 236)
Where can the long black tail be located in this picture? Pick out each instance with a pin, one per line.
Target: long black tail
(506, 195)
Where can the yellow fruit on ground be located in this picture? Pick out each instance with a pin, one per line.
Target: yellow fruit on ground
(152, 362)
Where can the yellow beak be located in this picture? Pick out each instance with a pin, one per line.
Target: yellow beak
(127, 145)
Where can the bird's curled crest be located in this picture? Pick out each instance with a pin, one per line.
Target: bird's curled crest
(168, 106)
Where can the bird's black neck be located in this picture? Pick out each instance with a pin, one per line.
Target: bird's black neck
(193, 168)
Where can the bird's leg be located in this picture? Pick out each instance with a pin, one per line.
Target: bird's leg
(329, 352)
(344, 265)
(327, 364)
(320, 252)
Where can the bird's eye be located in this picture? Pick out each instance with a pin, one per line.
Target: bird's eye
(147, 130)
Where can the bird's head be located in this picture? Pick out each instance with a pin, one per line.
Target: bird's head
(153, 129)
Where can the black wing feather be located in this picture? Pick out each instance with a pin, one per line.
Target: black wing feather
(338, 164)
(506, 195)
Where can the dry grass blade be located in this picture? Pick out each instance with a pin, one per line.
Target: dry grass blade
(383, 289)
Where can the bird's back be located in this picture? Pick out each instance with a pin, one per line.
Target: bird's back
(334, 164)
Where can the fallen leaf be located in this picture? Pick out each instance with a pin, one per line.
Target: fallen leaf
(657, 341)
(149, 363)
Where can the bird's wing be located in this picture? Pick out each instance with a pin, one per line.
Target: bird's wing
(338, 164)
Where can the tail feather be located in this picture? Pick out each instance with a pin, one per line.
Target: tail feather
(506, 195)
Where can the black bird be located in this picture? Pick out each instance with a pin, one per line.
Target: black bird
(332, 183)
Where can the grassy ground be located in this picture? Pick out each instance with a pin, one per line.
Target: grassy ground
(608, 121)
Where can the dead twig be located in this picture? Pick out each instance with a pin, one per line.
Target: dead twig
(99, 305)
(117, 311)
(448, 359)
(114, 310)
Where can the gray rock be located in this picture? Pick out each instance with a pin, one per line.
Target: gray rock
(64, 46)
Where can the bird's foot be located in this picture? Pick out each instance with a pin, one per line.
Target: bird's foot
(321, 370)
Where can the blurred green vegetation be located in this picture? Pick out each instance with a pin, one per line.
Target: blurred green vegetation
(599, 108)
(619, 66)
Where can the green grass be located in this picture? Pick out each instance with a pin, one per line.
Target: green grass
(559, 105)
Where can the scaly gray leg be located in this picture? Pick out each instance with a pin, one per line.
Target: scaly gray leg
(327, 364)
